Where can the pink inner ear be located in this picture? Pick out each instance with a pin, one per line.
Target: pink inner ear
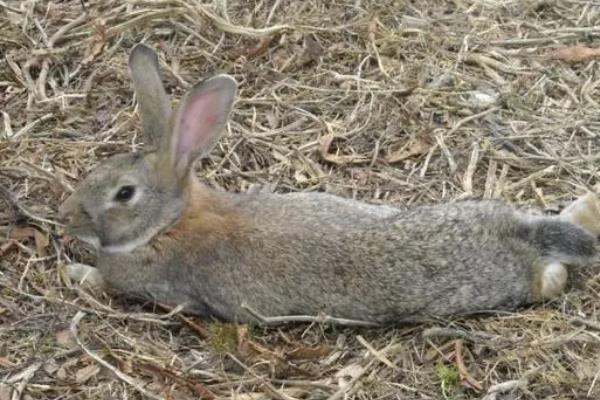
(198, 122)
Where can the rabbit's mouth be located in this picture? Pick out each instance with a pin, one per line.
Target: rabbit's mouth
(84, 235)
(92, 240)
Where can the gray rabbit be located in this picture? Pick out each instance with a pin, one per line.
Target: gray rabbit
(162, 235)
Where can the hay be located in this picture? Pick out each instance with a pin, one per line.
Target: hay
(392, 102)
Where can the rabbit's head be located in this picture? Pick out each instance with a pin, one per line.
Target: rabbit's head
(130, 198)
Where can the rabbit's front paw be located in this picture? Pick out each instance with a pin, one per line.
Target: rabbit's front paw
(84, 274)
(585, 213)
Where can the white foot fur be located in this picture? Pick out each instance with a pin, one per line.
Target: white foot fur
(553, 280)
(584, 212)
(84, 274)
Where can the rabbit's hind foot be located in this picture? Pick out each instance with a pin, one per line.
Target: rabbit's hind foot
(549, 280)
(585, 213)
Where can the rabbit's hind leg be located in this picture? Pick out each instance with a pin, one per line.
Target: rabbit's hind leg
(549, 280)
(585, 213)
(564, 246)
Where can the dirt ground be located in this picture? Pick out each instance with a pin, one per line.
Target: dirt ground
(396, 102)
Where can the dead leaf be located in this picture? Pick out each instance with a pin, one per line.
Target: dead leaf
(247, 347)
(65, 339)
(311, 52)
(97, 42)
(86, 373)
(22, 232)
(307, 353)
(28, 232)
(260, 48)
(6, 363)
(63, 371)
(414, 147)
(242, 339)
(41, 242)
(325, 143)
(575, 54)
(6, 246)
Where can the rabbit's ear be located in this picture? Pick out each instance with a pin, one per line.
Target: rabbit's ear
(200, 119)
(154, 105)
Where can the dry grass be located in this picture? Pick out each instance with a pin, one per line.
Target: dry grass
(402, 102)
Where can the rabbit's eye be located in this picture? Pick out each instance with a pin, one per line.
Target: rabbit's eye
(125, 193)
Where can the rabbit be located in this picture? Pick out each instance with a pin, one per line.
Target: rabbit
(162, 235)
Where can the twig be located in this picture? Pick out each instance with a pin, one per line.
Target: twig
(258, 49)
(9, 8)
(490, 62)
(23, 210)
(43, 75)
(199, 330)
(376, 353)
(270, 388)
(23, 379)
(197, 388)
(531, 41)
(98, 306)
(536, 175)
(66, 28)
(470, 171)
(120, 374)
(272, 11)
(465, 377)
(449, 157)
(323, 319)
(471, 336)
(303, 384)
(32, 124)
(470, 118)
(505, 387)
(587, 323)
(225, 26)
(343, 392)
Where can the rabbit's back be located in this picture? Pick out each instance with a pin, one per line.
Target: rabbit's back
(311, 253)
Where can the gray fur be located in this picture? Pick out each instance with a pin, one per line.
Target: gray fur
(312, 253)
(153, 101)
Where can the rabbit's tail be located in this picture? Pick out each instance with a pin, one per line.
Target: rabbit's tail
(563, 241)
